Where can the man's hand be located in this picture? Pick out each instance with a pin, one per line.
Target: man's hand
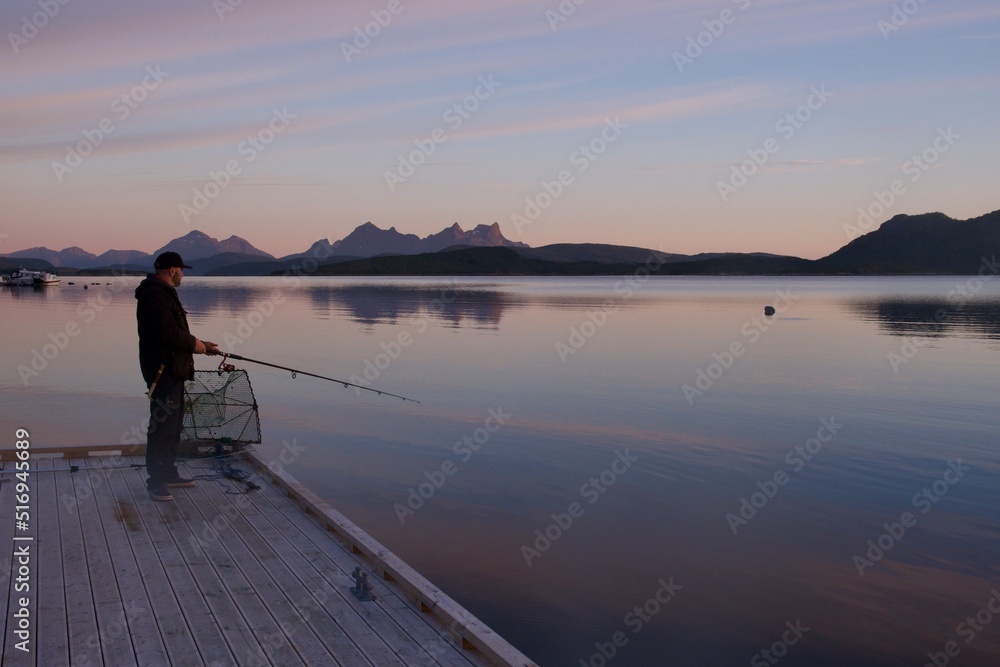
(205, 347)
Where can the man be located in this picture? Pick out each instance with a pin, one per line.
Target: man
(165, 357)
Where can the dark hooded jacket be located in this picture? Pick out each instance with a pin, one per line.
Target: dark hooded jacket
(164, 337)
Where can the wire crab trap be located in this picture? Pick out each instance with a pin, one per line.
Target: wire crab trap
(220, 412)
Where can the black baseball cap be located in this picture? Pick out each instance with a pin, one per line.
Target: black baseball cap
(169, 260)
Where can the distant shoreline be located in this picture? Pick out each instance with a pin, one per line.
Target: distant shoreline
(926, 245)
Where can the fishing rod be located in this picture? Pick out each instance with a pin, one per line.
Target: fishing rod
(294, 371)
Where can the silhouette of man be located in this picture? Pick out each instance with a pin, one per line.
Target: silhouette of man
(166, 347)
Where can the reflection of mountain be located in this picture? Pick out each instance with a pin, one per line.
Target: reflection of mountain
(455, 305)
(932, 317)
(205, 298)
(458, 307)
(450, 304)
(368, 304)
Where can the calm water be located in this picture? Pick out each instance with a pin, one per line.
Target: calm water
(704, 481)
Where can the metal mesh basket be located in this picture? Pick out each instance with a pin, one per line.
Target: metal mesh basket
(220, 411)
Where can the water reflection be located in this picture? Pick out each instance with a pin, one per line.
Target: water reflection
(666, 516)
(931, 317)
(32, 293)
(480, 306)
(367, 304)
(451, 303)
(375, 304)
(206, 298)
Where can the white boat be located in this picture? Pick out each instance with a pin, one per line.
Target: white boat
(29, 277)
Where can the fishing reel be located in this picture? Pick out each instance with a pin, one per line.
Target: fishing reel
(224, 367)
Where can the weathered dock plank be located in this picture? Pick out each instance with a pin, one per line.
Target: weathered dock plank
(275, 620)
(116, 646)
(81, 615)
(430, 598)
(203, 636)
(51, 598)
(294, 534)
(238, 515)
(223, 602)
(119, 520)
(159, 606)
(222, 576)
(434, 645)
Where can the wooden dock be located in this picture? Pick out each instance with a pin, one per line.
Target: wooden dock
(220, 576)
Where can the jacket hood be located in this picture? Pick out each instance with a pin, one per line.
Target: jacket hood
(152, 282)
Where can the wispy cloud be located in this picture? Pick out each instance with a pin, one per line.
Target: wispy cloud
(632, 111)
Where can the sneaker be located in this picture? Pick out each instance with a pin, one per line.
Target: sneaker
(159, 492)
(180, 483)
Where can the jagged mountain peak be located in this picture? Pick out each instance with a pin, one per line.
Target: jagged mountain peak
(196, 234)
(369, 240)
(198, 245)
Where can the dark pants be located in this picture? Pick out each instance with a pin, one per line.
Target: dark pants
(166, 419)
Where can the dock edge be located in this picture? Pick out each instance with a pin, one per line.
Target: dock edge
(473, 633)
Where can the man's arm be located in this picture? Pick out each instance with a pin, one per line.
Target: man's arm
(158, 311)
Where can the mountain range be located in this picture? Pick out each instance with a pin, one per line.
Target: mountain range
(931, 243)
(192, 246)
(366, 240)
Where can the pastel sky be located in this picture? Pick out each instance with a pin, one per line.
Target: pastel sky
(309, 115)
